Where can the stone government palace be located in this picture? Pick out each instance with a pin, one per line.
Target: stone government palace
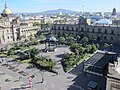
(106, 33)
(12, 28)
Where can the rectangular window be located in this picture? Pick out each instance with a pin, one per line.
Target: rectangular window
(112, 32)
(63, 28)
(87, 29)
(111, 38)
(72, 28)
(105, 38)
(82, 29)
(67, 28)
(93, 30)
(76, 29)
(99, 30)
(105, 31)
(58, 28)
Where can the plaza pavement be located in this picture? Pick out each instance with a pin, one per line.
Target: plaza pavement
(13, 83)
(62, 81)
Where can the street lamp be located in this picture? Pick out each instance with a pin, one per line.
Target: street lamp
(111, 47)
(42, 74)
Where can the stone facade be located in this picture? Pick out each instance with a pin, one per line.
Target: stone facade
(106, 33)
(12, 30)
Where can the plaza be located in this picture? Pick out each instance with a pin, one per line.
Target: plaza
(51, 81)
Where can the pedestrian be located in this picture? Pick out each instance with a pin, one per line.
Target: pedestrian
(20, 78)
(30, 81)
(32, 76)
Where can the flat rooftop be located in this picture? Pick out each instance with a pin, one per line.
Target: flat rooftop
(99, 59)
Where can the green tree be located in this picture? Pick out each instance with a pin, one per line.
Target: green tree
(73, 47)
(16, 47)
(106, 46)
(33, 52)
(94, 38)
(34, 42)
(41, 37)
(10, 53)
(87, 49)
(62, 40)
(84, 41)
(97, 46)
(93, 49)
(70, 39)
(78, 38)
(81, 50)
(31, 38)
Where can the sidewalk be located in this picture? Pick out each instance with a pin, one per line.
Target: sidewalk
(13, 80)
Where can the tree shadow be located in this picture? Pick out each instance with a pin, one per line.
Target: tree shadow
(39, 82)
(24, 84)
(16, 80)
(60, 55)
(20, 88)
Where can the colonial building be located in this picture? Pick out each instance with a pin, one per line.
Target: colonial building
(13, 28)
(106, 33)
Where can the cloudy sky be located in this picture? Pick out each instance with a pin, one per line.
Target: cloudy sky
(76, 5)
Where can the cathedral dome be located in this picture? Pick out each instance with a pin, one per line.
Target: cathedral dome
(7, 11)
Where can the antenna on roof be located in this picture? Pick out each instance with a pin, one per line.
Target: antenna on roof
(83, 12)
(114, 3)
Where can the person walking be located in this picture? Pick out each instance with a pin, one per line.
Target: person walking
(20, 78)
(30, 80)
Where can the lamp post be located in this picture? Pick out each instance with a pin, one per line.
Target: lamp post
(6, 62)
(42, 74)
(111, 47)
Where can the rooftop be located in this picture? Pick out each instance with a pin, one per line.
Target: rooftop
(99, 59)
(92, 84)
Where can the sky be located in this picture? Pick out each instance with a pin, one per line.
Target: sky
(76, 5)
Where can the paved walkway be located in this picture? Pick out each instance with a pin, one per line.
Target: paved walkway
(51, 81)
(14, 80)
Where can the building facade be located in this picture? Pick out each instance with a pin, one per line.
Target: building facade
(105, 33)
(13, 29)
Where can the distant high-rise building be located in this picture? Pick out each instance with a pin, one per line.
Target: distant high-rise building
(114, 12)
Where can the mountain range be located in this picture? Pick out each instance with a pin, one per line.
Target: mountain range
(58, 11)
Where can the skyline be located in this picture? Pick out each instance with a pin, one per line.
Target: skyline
(43, 5)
